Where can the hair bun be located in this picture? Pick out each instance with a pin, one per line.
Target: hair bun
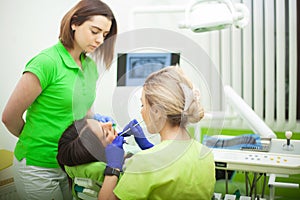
(196, 111)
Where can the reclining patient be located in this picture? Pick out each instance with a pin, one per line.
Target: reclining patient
(81, 154)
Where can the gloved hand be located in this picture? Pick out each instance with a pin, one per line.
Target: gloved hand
(114, 153)
(103, 118)
(138, 133)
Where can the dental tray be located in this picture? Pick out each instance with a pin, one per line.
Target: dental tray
(265, 146)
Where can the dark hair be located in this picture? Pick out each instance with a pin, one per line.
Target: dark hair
(81, 12)
(71, 151)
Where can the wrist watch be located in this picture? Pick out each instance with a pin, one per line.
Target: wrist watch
(109, 171)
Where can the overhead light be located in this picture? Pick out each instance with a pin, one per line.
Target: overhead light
(209, 15)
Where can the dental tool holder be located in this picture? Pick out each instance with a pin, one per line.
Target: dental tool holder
(288, 146)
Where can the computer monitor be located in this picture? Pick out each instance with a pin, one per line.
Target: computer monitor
(133, 68)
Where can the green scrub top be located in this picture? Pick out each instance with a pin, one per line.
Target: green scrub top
(67, 94)
(170, 170)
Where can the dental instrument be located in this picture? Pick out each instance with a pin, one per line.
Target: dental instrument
(126, 131)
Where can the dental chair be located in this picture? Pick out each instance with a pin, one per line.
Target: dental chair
(87, 180)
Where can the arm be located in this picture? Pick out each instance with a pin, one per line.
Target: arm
(26, 91)
(108, 186)
(89, 114)
(115, 156)
(100, 118)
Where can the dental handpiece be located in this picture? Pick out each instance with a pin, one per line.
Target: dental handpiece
(127, 130)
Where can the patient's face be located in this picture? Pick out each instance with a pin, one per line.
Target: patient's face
(104, 131)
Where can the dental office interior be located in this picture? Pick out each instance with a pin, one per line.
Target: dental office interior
(241, 54)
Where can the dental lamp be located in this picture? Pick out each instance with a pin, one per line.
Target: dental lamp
(209, 15)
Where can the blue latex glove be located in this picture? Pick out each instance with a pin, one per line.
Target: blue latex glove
(114, 153)
(103, 118)
(138, 134)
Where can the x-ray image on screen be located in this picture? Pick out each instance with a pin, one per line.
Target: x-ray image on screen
(140, 66)
(133, 68)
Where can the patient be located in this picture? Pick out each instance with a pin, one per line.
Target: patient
(81, 153)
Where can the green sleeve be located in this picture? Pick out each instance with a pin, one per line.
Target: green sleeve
(43, 67)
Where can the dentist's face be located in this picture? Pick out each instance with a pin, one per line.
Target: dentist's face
(153, 115)
(144, 109)
(104, 131)
(91, 34)
(145, 112)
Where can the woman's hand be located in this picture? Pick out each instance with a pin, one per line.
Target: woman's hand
(139, 136)
(114, 153)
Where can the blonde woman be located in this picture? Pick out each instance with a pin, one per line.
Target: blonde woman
(178, 167)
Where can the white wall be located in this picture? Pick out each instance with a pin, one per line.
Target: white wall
(29, 26)
(130, 18)
(26, 28)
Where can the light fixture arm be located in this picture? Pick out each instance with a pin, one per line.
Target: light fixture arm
(236, 14)
(243, 20)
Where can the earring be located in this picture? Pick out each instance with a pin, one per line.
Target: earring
(73, 28)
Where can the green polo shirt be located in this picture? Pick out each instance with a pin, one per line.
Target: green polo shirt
(67, 94)
(173, 169)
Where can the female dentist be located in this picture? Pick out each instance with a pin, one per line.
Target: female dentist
(57, 87)
(179, 167)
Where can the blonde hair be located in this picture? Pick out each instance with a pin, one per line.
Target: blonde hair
(170, 90)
